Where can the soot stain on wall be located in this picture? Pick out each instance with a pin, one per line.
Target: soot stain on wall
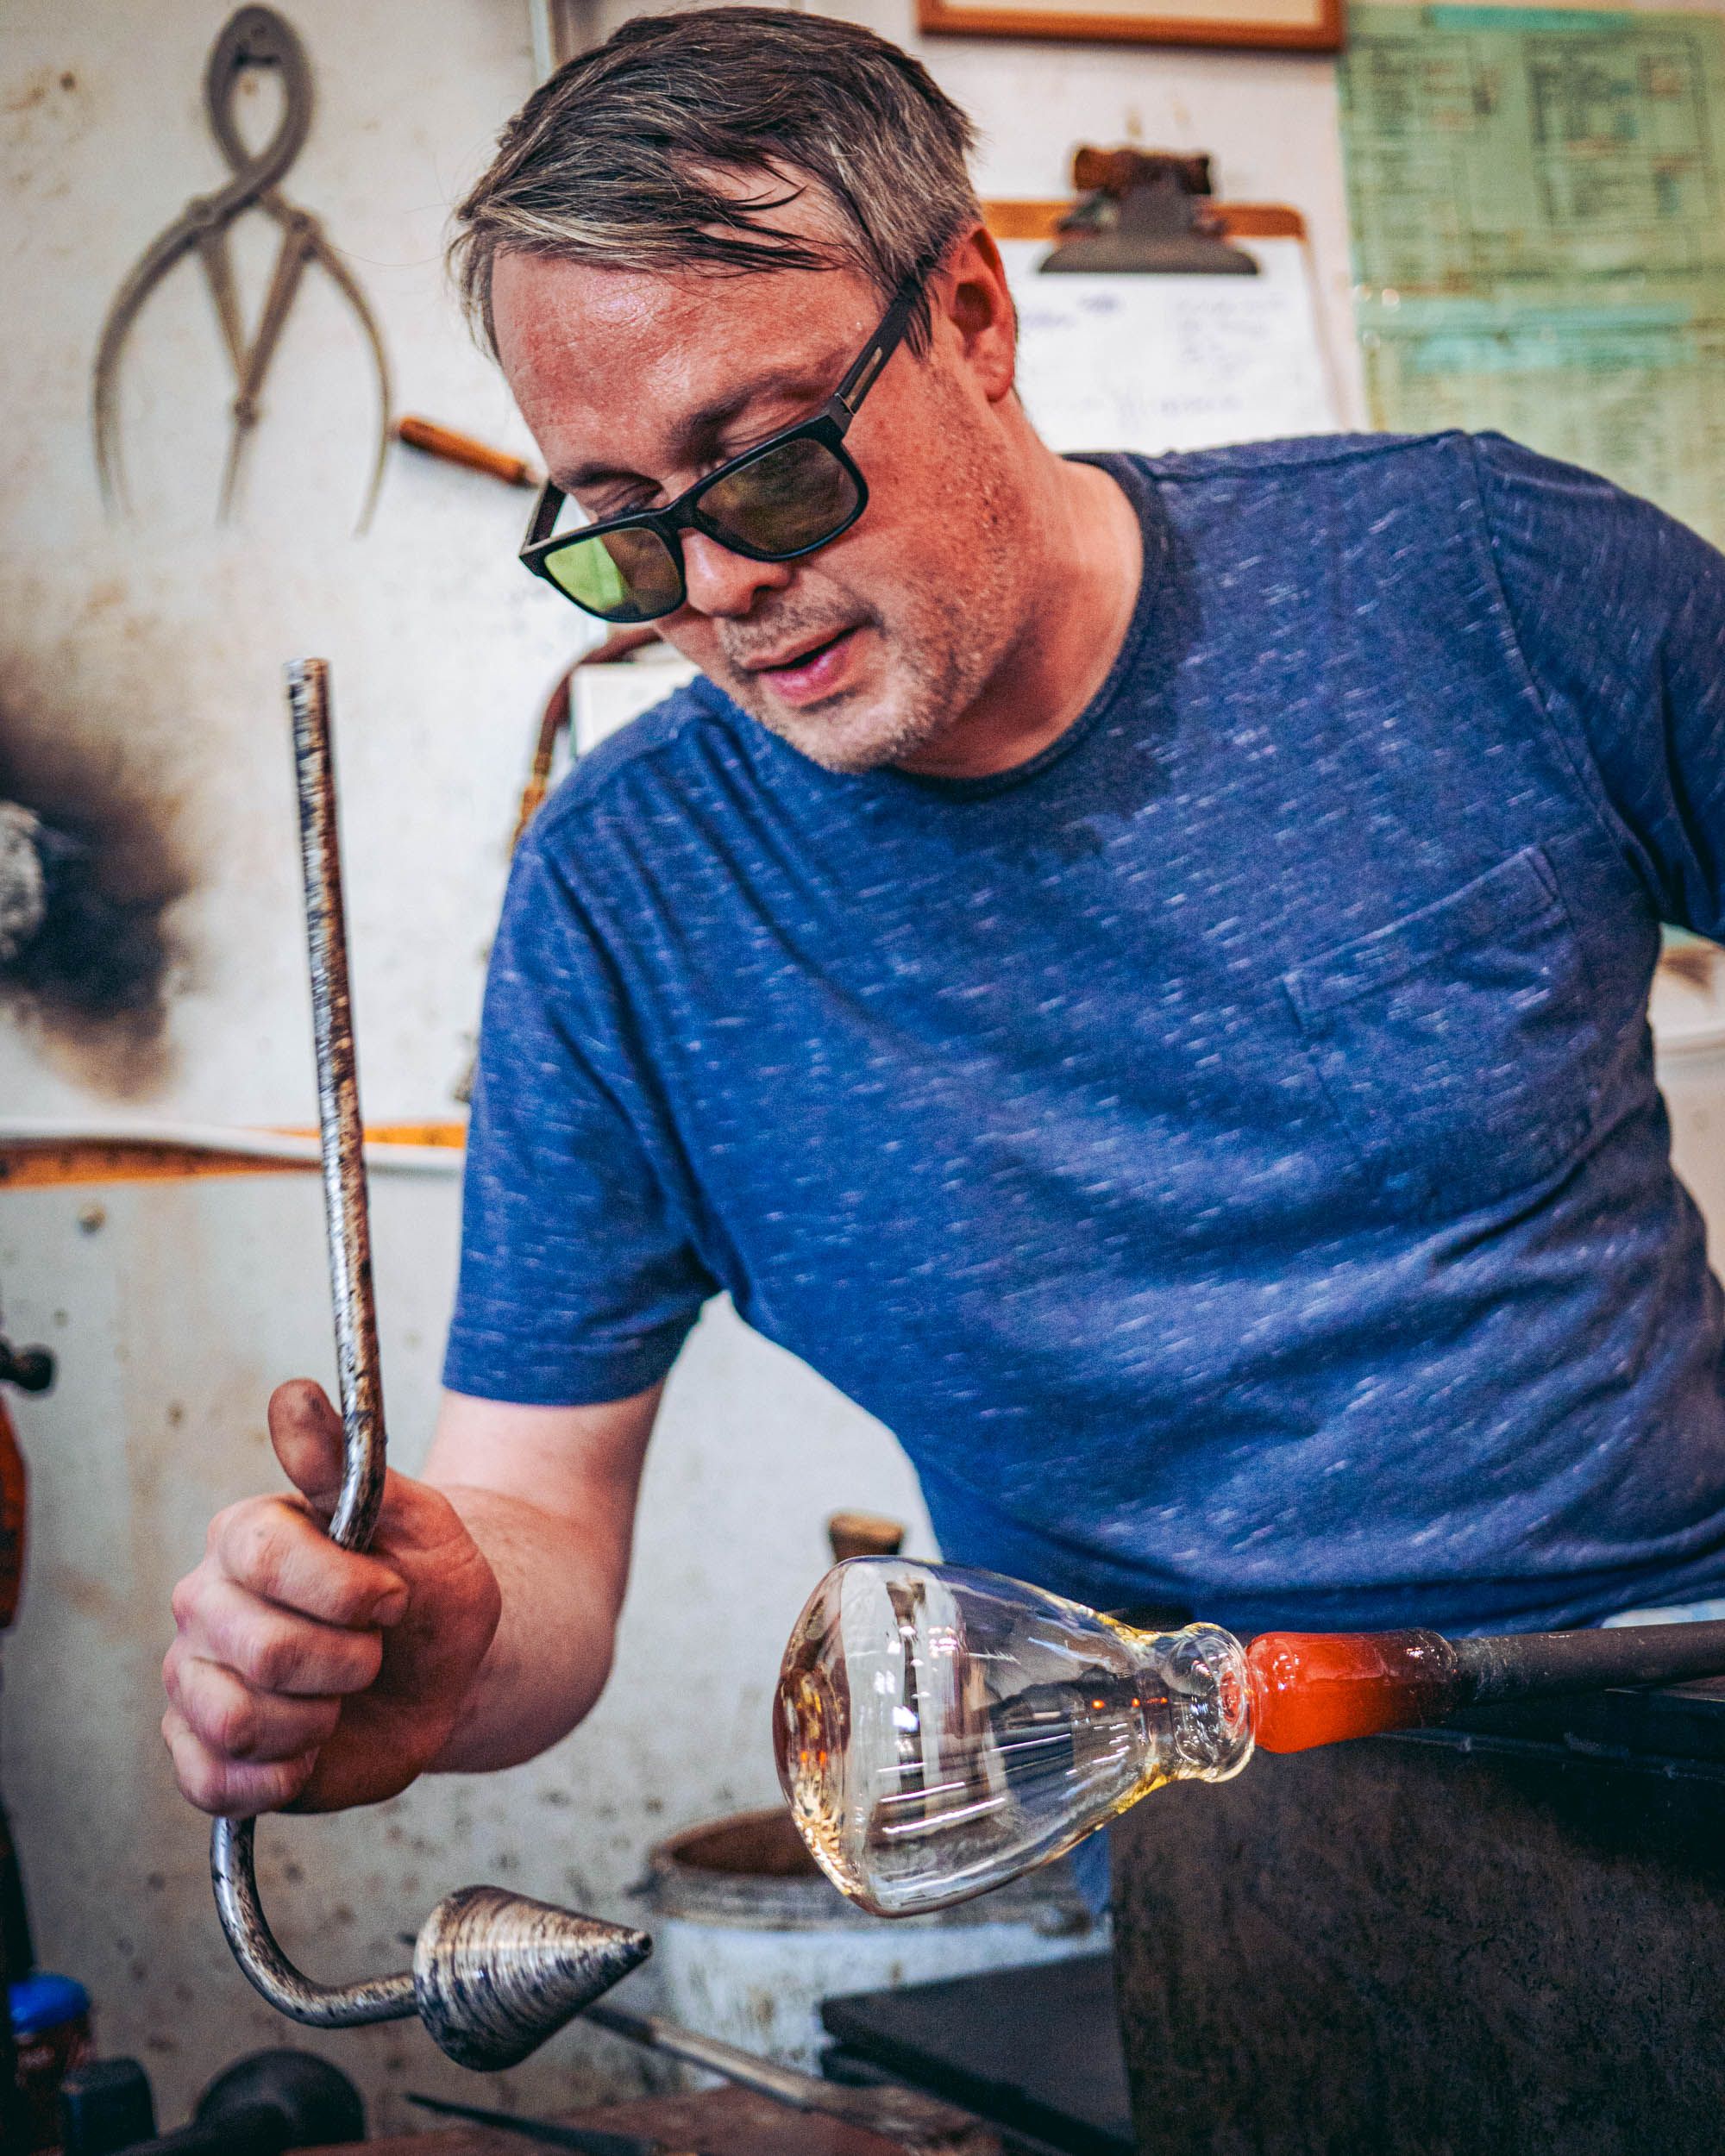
(96, 974)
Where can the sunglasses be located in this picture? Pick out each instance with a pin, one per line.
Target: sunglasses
(795, 492)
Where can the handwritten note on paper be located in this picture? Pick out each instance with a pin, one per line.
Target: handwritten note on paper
(1536, 197)
(1156, 363)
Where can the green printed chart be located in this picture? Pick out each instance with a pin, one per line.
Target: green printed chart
(1538, 203)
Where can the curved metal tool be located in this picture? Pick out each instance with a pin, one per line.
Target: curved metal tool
(255, 37)
(495, 1974)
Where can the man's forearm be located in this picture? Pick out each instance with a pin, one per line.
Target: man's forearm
(562, 1585)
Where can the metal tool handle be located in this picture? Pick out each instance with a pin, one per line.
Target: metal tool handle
(493, 1974)
(359, 1377)
(1543, 1665)
(341, 1134)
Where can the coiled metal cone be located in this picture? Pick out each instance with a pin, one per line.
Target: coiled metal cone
(495, 1974)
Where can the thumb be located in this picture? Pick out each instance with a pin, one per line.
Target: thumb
(307, 1432)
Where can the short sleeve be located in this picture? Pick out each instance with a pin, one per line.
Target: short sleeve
(1620, 613)
(579, 1281)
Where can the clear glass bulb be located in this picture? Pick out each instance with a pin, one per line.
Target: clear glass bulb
(939, 1731)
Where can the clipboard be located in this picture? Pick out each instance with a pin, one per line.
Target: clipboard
(1039, 218)
(1158, 362)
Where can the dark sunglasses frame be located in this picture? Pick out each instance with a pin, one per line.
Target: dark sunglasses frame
(829, 427)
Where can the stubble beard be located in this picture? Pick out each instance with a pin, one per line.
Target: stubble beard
(932, 676)
(941, 637)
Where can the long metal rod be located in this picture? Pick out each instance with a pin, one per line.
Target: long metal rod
(906, 2115)
(785, 2085)
(349, 1233)
(495, 1974)
(1544, 1665)
(346, 1218)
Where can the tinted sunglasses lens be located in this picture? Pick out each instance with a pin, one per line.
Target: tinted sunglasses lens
(785, 501)
(625, 576)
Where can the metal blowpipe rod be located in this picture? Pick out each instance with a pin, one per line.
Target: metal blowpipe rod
(493, 1974)
(1322, 1688)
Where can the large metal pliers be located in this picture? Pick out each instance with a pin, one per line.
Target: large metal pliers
(255, 37)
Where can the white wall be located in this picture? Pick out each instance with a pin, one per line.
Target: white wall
(173, 1308)
(147, 655)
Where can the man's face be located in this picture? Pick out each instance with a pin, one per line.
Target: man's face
(636, 385)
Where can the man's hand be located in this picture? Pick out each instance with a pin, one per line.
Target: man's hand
(302, 1674)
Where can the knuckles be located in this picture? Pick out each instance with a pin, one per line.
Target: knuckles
(233, 1724)
(260, 1544)
(276, 1661)
(256, 1544)
(183, 1601)
(269, 1661)
(205, 1781)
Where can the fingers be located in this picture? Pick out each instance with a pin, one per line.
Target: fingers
(230, 1789)
(272, 1649)
(276, 1550)
(254, 1690)
(276, 1628)
(236, 1722)
(307, 1433)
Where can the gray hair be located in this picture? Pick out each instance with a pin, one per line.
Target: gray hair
(619, 158)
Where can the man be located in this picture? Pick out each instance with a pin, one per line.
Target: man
(1135, 969)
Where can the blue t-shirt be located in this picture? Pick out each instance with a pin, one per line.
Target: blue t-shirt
(1224, 1149)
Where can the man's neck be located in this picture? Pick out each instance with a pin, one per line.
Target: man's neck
(1084, 552)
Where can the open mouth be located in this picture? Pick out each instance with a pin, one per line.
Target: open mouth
(810, 673)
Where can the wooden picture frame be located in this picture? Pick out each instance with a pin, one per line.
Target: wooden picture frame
(1278, 26)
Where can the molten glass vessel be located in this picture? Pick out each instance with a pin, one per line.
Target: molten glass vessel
(939, 1731)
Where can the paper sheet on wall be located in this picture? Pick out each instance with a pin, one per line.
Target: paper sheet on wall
(1156, 363)
(1538, 203)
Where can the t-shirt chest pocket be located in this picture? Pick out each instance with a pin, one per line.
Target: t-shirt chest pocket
(1460, 1045)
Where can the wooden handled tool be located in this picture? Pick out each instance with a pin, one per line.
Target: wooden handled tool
(462, 448)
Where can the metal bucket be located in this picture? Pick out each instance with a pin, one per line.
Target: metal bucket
(749, 1938)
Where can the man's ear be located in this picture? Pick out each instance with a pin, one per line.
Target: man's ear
(971, 293)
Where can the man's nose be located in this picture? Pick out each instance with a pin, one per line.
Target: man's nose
(725, 584)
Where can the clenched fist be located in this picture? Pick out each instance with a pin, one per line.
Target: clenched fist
(307, 1675)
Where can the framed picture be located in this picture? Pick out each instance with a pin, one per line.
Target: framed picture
(1291, 26)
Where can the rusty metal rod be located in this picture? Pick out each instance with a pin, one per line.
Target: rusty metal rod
(927, 2124)
(346, 1208)
(348, 1226)
(493, 1974)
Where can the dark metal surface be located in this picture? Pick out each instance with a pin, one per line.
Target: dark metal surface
(1036, 2051)
(1502, 1941)
(495, 1974)
(720, 2121)
(255, 37)
(587, 2141)
(105, 2104)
